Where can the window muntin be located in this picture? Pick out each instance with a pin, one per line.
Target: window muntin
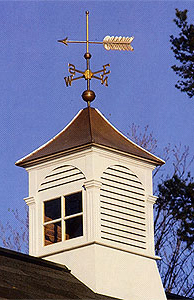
(63, 218)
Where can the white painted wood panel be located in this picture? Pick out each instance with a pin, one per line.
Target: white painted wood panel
(122, 204)
(61, 176)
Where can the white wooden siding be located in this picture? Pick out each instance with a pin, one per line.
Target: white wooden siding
(61, 176)
(122, 207)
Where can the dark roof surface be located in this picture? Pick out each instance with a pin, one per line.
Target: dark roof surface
(89, 127)
(26, 277)
(176, 297)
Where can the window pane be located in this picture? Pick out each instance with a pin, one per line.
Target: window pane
(73, 204)
(52, 233)
(74, 227)
(52, 210)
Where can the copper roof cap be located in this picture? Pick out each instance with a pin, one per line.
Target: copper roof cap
(88, 128)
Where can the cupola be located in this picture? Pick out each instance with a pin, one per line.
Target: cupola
(91, 206)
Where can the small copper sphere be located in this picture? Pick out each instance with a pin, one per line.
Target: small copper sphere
(87, 55)
(88, 96)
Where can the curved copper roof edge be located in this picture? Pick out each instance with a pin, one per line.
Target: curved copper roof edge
(75, 150)
(88, 127)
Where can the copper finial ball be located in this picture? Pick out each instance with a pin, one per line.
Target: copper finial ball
(88, 96)
(87, 55)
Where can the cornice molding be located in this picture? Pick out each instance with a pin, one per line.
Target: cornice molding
(29, 200)
(152, 199)
(92, 183)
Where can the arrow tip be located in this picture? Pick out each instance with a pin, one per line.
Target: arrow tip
(64, 41)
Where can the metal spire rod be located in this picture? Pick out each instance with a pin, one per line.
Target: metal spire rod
(87, 54)
(87, 32)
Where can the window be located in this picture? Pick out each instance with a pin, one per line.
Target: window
(63, 218)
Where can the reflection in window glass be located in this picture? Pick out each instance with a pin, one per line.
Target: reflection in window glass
(58, 227)
(74, 227)
(73, 204)
(52, 210)
(52, 233)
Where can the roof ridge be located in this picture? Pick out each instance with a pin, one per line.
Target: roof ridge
(32, 259)
(90, 123)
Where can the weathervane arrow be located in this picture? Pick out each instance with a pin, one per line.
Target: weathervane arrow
(109, 43)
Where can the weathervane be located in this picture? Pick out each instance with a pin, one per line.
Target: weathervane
(109, 43)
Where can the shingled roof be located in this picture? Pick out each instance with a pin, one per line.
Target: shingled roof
(89, 127)
(27, 277)
(171, 296)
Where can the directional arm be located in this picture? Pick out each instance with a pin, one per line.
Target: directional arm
(87, 74)
(73, 70)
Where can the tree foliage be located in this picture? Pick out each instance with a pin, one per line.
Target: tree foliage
(176, 195)
(174, 233)
(14, 234)
(174, 212)
(183, 48)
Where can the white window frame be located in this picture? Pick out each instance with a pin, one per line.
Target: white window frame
(63, 218)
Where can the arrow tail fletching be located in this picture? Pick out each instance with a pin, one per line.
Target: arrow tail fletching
(118, 43)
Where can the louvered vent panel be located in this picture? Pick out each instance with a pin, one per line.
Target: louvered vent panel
(60, 176)
(122, 203)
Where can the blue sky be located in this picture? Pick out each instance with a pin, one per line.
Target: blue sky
(35, 103)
